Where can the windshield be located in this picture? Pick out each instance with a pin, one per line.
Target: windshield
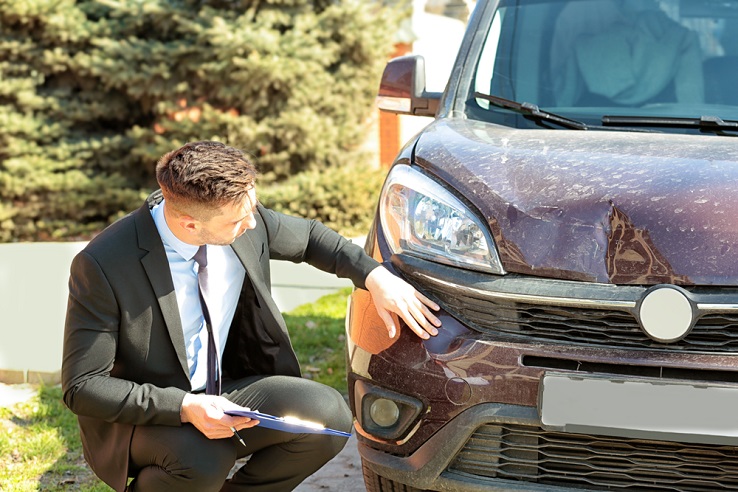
(589, 59)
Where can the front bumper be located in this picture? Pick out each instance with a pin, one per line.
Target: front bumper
(428, 467)
(472, 377)
(502, 447)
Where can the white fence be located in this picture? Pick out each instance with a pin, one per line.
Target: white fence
(33, 300)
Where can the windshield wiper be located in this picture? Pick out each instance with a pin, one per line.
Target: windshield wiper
(530, 109)
(708, 123)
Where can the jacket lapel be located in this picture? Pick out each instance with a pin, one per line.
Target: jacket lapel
(249, 255)
(249, 252)
(157, 269)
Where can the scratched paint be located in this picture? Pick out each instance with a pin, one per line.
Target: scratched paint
(604, 206)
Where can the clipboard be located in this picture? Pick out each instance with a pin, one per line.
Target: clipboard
(287, 424)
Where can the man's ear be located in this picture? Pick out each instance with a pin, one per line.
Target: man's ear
(189, 224)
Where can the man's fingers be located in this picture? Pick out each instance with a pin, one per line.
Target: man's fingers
(236, 420)
(388, 321)
(425, 305)
(415, 315)
(247, 425)
(223, 428)
(207, 414)
(410, 320)
(427, 318)
(422, 320)
(422, 312)
(391, 294)
(427, 301)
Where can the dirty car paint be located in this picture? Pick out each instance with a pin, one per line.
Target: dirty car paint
(610, 207)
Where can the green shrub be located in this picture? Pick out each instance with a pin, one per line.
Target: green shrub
(94, 91)
(343, 198)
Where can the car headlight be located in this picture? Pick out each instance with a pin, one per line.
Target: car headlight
(422, 218)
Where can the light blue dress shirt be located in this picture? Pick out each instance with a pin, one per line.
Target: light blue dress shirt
(225, 279)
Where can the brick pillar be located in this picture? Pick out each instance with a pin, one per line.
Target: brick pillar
(389, 123)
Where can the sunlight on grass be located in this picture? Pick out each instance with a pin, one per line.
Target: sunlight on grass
(318, 335)
(40, 447)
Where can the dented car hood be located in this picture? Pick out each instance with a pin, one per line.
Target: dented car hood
(600, 206)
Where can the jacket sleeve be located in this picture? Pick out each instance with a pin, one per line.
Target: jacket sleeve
(90, 344)
(302, 240)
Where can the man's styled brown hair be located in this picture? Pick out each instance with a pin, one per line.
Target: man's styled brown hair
(200, 177)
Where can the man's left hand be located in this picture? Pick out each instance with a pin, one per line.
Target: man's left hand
(391, 294)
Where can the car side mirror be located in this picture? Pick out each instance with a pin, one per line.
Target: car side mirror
(402, 89)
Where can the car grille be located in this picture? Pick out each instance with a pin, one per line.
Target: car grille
(527, 453)
(713, 332)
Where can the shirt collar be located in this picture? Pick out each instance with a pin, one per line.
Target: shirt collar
(186, 251)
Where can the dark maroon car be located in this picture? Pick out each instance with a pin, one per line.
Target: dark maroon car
(573, 208)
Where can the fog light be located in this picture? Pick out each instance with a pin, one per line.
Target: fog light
(385, 413)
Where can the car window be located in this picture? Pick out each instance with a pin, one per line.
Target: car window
(589, 58)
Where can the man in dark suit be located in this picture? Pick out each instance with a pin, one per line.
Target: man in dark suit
(145, 343)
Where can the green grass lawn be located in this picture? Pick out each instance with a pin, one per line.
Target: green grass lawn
(319, 337)
(39, 441)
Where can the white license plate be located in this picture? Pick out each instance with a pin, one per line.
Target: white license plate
(641, 408)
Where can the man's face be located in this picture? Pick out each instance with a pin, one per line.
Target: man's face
(232, 221)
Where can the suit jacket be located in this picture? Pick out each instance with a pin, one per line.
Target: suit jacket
(124, 360)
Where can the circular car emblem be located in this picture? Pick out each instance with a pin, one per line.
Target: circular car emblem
(666, 313)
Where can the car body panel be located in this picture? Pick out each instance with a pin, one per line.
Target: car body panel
(600, 206)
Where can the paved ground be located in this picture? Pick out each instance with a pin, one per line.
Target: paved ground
(342, 474)
(10, 394)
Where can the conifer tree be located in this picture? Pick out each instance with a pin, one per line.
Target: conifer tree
(92, 92)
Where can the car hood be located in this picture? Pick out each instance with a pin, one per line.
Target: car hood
(600, 206)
